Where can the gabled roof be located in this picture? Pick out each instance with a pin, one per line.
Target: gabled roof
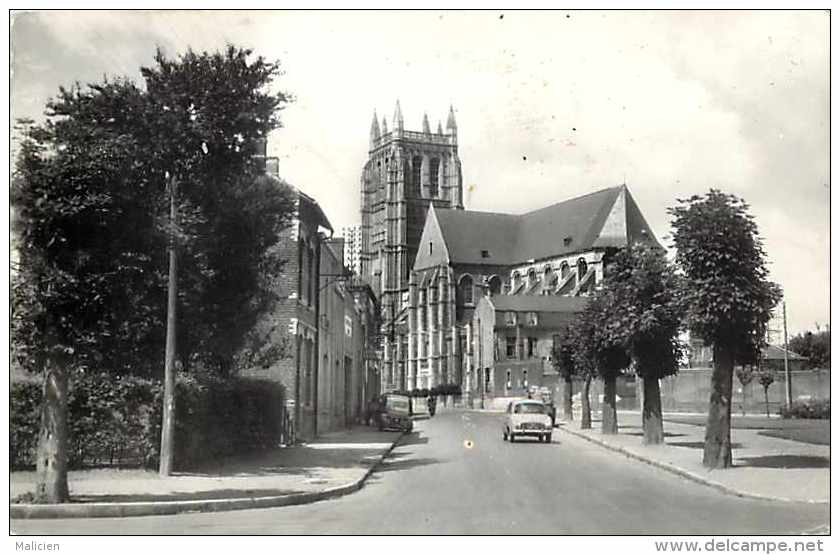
(605, 218)
(312, 204)
(538, 303)
(772, 352)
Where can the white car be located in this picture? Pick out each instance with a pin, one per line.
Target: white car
(527, 418)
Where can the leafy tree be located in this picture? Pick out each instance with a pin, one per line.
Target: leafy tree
(727, 298)
(766, 377)
(645, 319)
(563, 361)
(816, 347)
(70, 290)
(597, 348)
(90, 203)
(745, 376)
(582, 334)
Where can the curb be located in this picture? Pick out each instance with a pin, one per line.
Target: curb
(157, 508)
(689, 475)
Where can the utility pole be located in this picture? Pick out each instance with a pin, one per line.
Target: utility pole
(788, 386)
(168, 430)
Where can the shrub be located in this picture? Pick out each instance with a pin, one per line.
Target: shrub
(24, 423)
(117, 420)
(449, 389)
(810, 408)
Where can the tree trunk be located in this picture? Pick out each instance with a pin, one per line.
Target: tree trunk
(766, 403)
(652, 413)
(717, 451)
(51, 465)
(743, 400)
(585, 407)
(567, 399)
(609, 416)
(167, 436)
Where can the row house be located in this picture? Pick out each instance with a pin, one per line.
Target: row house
(320, 326)
(340, 379)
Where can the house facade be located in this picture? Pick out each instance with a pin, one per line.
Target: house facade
(513, 340)
(322, 326)
(293, 325)
(341, 346)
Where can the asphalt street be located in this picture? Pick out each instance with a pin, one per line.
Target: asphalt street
(455, 475)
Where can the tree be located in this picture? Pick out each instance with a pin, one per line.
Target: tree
(645, 320)
(91, 227)
(67, 289)
(727, 297)
(213, 110)
(766, 377)
(563, 360)
(816, 347)
(745, 376)
(583, 349)
(598, 349)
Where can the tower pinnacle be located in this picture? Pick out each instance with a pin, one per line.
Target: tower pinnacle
(450, 121)
(398, 117)
(440, 128)
(426, 129)
(374, 129)
(384, 126)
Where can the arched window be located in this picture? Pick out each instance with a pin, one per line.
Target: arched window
(434, 164)
(564, 270)
(581, 268)
(549, 278)
(416, 165)
(494, 285)
(465, 290)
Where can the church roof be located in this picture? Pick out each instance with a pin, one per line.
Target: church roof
(467, 233)
(606, 218)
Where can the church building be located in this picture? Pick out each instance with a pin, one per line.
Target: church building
(430, 261)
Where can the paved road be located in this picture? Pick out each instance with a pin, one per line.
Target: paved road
(437, 483)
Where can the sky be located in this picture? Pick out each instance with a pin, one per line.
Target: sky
(549, 105)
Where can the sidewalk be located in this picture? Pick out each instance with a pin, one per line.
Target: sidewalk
(763, 467)
(334, 464)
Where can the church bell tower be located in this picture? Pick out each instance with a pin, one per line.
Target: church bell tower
(406, 172)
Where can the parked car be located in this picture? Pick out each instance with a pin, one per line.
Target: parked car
(527, 417)
(396, 413)
(420, 408)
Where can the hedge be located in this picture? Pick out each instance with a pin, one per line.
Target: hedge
(811, 408)
(117, 421)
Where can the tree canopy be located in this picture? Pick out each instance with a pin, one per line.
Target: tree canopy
(90, 204)
(726, 294)
(644, 314)
(816, 347)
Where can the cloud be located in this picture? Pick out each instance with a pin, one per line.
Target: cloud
(548, 106)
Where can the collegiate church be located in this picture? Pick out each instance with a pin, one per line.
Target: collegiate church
(430, 262)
